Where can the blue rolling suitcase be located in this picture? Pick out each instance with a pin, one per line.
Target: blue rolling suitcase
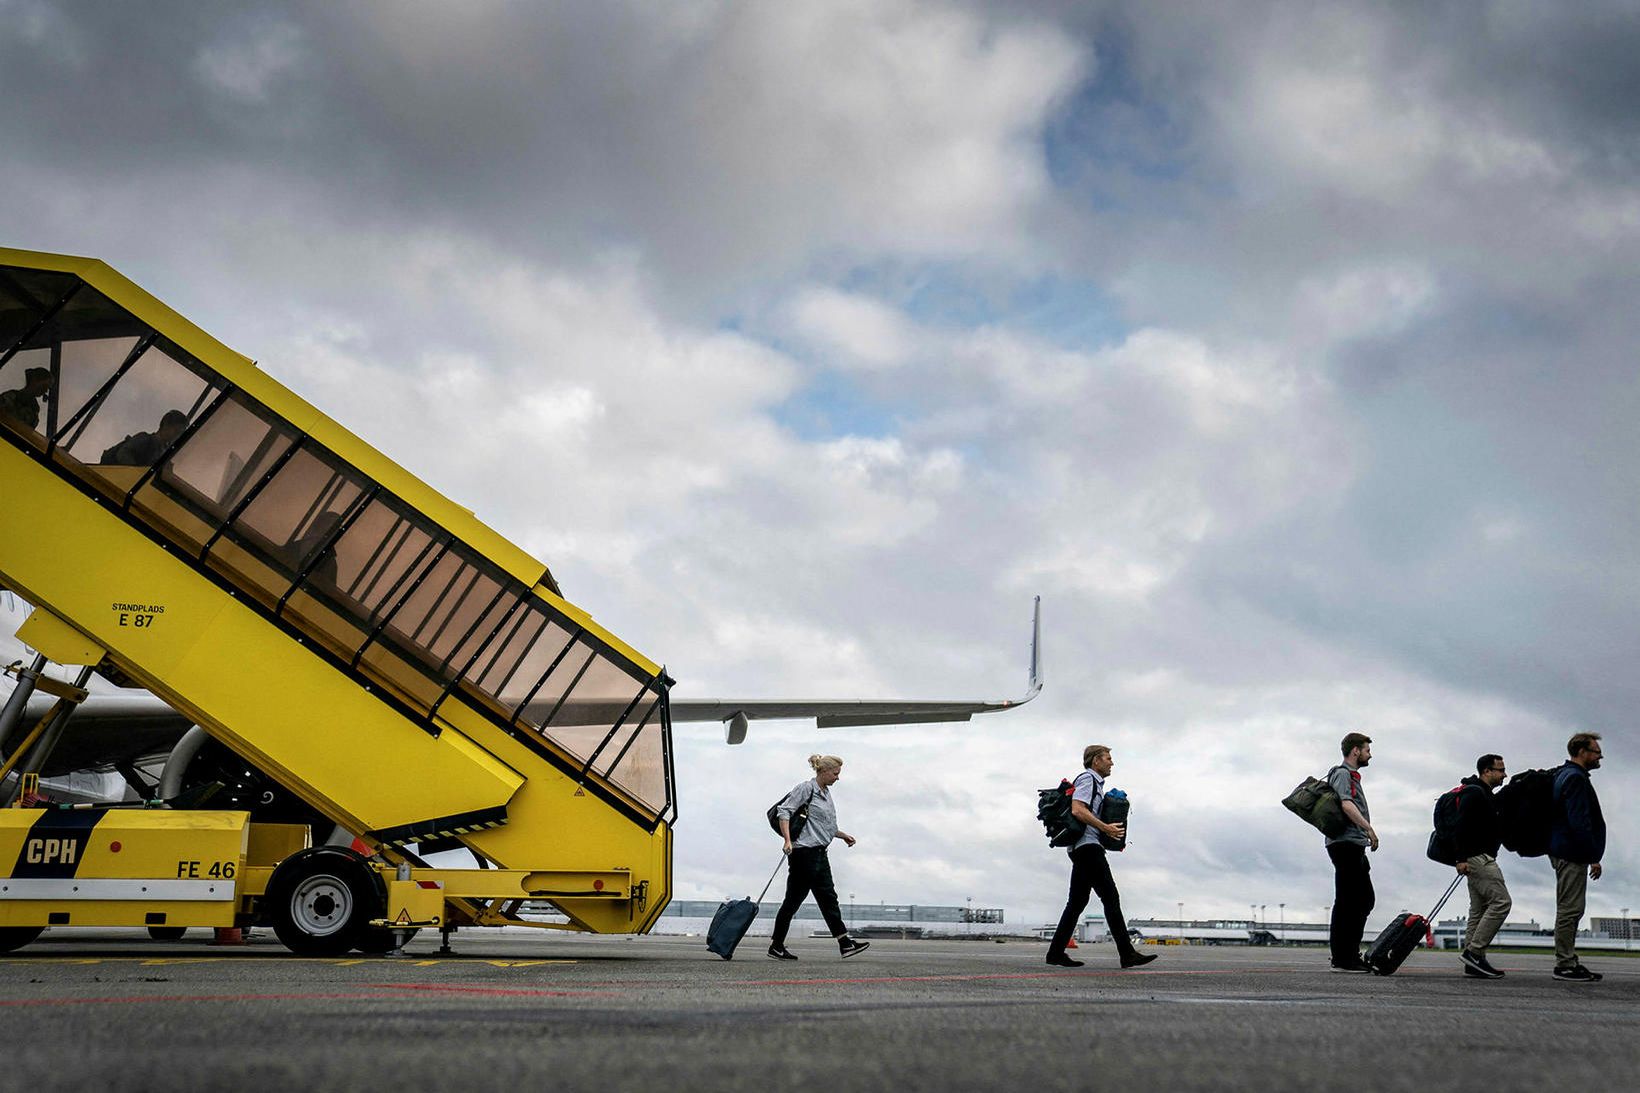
(734, 917)
(1405, 933)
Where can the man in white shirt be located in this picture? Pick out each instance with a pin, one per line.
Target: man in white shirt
(1090, 871)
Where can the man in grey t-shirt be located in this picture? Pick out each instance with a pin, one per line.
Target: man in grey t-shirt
(1353, 896)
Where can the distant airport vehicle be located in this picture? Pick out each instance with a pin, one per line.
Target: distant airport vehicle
(332, 652)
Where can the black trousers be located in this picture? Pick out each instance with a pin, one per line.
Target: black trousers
(1353, 900)
(1090, 872)
(808, 870)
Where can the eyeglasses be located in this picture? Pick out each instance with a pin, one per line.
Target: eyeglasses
(1496, 770)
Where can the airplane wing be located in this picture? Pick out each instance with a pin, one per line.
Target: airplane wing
(736, 714)
(109, 730)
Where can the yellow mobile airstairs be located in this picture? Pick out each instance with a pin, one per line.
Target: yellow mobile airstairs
(187, 525)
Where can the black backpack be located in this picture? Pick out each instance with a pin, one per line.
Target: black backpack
(1053, 809)
(1526, 810)
(1443, 841)
(800, 816)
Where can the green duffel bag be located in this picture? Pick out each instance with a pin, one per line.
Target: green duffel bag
(1317, 804)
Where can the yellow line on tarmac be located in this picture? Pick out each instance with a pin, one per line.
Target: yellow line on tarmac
(334, 962)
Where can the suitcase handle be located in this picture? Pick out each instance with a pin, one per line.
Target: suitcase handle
(1453, 887)
(776, 873)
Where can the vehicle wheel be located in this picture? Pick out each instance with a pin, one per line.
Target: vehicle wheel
(15, 937)
(167, 933)
(321, 899)
(379, 939)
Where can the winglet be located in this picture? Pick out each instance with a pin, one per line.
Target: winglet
(1034, 684)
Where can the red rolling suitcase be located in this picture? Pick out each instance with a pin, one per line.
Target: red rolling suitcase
(1405, 933)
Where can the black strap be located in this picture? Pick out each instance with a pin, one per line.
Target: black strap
(803, 809)
(1562, 778)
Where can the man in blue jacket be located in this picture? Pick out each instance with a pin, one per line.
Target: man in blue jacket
(1577, 842)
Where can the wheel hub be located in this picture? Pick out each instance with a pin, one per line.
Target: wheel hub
(321, 905)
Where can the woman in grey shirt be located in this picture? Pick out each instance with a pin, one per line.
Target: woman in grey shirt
(807, 869)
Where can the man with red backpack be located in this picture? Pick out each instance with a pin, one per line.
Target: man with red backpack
(1476, 837)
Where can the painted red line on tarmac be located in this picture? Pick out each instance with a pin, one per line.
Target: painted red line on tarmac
(489, 990)
(1003, 975)
(607, 989)
(137, 998)
(953, 978)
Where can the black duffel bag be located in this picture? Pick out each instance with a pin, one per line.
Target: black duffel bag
(1113, 809)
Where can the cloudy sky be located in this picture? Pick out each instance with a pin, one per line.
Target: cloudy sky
(1280, 347)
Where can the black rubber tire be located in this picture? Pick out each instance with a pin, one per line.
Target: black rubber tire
(167, 933)
(379, 939)
(13, 938)
(320, 900)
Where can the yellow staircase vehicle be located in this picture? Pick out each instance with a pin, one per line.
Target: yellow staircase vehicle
(186, 524)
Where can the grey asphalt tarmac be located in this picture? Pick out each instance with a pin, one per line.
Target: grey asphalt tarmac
(112, 1010)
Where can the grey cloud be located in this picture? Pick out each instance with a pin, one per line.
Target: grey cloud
(1362, 456)
(1565, 72)
(722, 139)
(1196, 212)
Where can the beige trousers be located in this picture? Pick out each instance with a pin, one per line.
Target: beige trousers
(1571, 890)
(1489, 902)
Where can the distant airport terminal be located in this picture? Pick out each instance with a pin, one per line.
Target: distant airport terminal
(914, 920)
(903, 920)
(1603, 933)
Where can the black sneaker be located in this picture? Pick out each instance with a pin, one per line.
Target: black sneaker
(1355, 967)
(1137, 960)
(779, 953)
(1577, 973)
(1060, 960)
(1476, 966)
(849, 947)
